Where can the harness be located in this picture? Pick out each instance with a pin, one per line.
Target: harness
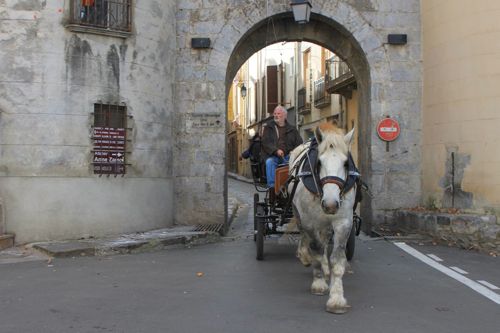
(308, 172)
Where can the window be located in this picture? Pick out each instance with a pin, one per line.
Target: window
(109, 115)
(106, 15)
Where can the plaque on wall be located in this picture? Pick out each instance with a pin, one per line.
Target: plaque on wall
(109, 150)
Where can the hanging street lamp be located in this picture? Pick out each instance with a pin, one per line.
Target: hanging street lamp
(301, 10)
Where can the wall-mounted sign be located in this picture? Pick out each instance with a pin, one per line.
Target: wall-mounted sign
(388, 129)
(109, 150)
(206, 120)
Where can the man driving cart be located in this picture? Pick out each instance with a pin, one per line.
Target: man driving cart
(279, 138)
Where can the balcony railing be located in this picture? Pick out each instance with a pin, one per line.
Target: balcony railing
(111, 15)
(339, 79)
(321, 96)
(302, 105)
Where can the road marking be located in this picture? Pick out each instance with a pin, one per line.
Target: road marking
(489, 285)
(454, 275)
(435, 257)
(459, 270)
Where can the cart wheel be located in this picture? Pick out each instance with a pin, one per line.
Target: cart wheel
(349, 250)
(255, 210)
(260, 237)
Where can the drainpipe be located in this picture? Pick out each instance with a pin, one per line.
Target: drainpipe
(346, 114)
(297, 64)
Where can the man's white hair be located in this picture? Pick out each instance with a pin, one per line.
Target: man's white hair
(282, 108)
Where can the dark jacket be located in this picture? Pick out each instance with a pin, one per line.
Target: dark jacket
(270, 138)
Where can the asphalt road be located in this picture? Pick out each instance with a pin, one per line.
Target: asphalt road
(222, 288)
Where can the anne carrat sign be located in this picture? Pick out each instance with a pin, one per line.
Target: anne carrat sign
(388, 129)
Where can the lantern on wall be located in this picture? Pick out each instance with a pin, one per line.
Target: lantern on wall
(301, 10)
(243, 91)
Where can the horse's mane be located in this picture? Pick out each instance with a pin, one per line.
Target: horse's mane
(332, 135)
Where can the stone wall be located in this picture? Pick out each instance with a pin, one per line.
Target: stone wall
(469, 231)
(50, 78)
(389, 78)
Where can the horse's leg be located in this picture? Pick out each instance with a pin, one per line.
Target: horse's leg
(336, 301)
(319, 285)
(303, 251)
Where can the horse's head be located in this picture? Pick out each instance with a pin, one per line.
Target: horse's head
(333, 151)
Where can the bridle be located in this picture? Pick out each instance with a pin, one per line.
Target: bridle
(296, 175)
(333, 180)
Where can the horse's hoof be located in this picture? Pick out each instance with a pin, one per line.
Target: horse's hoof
(306, 264)
(319, 292)
(338, 309)
(319, 288)
(305, 260)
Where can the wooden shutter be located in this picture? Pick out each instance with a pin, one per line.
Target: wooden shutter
(282, 87)
(263, 98)
(272, 88)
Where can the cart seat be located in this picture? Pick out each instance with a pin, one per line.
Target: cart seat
(281, 177)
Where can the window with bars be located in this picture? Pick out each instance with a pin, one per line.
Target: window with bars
(109, 115)
(114, 15)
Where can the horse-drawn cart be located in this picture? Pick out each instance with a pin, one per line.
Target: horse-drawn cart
(272, 207)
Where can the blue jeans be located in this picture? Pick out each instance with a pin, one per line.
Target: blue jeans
(271, 164)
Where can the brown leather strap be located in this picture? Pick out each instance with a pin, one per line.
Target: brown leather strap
(333, 180)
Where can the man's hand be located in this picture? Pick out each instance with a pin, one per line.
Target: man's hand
(280, 153)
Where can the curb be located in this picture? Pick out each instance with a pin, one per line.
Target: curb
(233, 206)
(126, 245)
(240, 178)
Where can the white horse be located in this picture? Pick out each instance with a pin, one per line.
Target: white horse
(320, 218)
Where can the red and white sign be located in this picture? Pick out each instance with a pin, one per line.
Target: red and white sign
(388, 129)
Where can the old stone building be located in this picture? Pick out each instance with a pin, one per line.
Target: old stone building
(113, 113)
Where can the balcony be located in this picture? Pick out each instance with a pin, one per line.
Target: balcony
(321, 96)
(339, 79)
(303, 106)
(104, 17)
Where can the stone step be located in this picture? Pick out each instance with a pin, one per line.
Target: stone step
(6, 241)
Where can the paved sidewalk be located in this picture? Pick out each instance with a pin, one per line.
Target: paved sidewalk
(180, 236)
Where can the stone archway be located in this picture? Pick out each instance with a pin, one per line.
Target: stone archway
(326, 33)
(386, 80)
